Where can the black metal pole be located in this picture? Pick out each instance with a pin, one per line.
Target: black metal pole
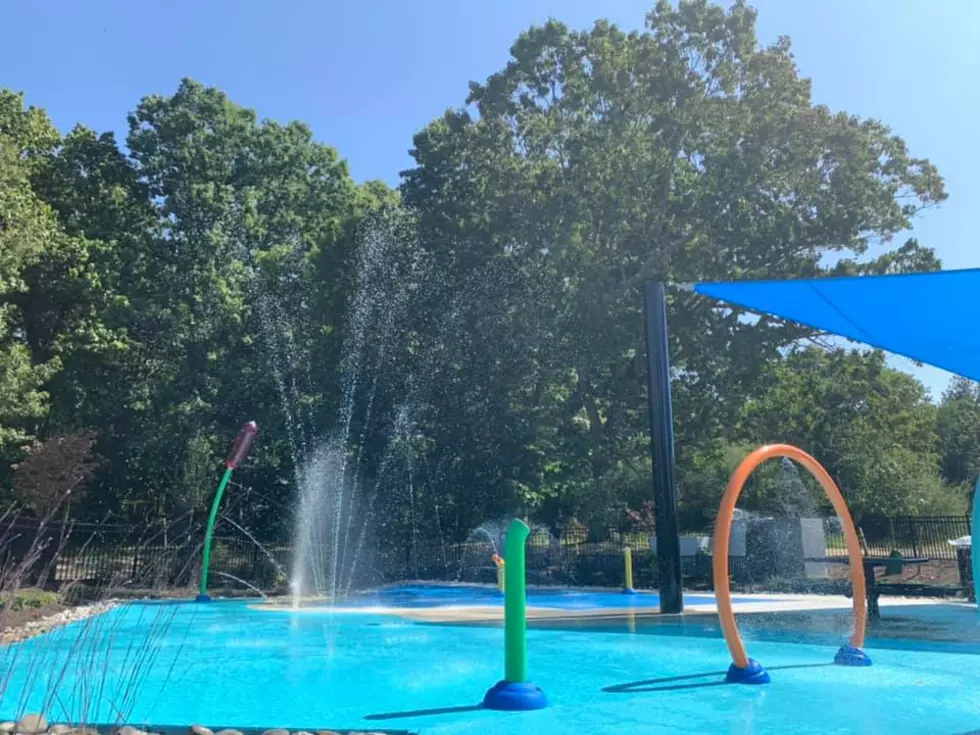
(662, 447)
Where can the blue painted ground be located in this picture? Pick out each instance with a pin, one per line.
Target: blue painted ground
(425, 595)
(226, 664)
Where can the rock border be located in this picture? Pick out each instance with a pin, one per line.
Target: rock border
(32, 628)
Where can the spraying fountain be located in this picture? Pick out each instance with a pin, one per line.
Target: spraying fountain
(347, 474)
(343, 473)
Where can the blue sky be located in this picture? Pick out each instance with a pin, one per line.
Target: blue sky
(366, 75)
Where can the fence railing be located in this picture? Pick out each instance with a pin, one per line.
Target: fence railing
(117, 557)
(925, 536)
(112, 556)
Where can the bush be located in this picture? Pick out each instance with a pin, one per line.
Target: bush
(27, 599)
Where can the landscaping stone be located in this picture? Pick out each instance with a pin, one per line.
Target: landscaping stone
(199, 730)
(276, 732)
(49, 623)
(230, 732)
(59, 730)
(6, 727)
(32, 724)
(129, 730)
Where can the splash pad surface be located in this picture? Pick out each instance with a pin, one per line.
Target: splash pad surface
(627, 671)
(420, 596)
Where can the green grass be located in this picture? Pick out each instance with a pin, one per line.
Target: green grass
(27, 599)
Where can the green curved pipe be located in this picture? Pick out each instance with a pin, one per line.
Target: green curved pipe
(209, 534)
(515, 602)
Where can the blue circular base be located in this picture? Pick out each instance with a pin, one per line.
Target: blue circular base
(851, 656)
(629, 591)
(515, 696)
(751, 674)
(203, 598)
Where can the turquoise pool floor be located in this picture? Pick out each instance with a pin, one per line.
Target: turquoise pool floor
(226, 664)
(442, 595)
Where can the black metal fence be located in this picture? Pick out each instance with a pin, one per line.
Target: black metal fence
(569, 559)
(111, 556)
(924, 536)
(107, 556)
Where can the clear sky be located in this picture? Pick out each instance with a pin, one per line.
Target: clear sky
(366, 75)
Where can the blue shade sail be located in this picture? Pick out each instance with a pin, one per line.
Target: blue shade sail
(932, 318)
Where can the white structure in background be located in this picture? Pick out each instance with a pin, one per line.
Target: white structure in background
(690, 545)
(814, 539)
(737, 539)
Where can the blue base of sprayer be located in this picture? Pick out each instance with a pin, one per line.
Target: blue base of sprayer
(203, 598)
(515, 696)
(852, 656)
(629, 591)
(751, 674)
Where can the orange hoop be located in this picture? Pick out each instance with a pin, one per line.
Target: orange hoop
(723, 532)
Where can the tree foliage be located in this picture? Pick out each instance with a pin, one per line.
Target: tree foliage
(53, 474)
(596, 160)
(958, 428)
(476, 335)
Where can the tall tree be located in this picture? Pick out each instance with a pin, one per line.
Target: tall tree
(29, 231)
(959, 432)
(596, 160)
(202, 245)
(872, 427)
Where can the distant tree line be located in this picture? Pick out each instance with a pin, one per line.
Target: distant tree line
(475, 335)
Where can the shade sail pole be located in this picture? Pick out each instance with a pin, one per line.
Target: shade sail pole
(662, 448)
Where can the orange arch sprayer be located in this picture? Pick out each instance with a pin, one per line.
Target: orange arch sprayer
(745, 670)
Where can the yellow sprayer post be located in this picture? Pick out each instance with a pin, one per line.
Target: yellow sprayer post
(501, 573)
(628, 577)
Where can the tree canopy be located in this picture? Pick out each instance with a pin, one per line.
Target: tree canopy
(475, 336)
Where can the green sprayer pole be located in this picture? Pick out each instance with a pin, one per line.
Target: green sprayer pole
(212, 519)
(515, 691)
(237, 455)
(515, 603)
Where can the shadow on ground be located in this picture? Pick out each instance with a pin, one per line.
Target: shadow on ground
(670, 683)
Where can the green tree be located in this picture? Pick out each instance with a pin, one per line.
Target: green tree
(476, 335)
(959, 432)
(596, 160)
(199, 247)
(872, 427)
(29, 232)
